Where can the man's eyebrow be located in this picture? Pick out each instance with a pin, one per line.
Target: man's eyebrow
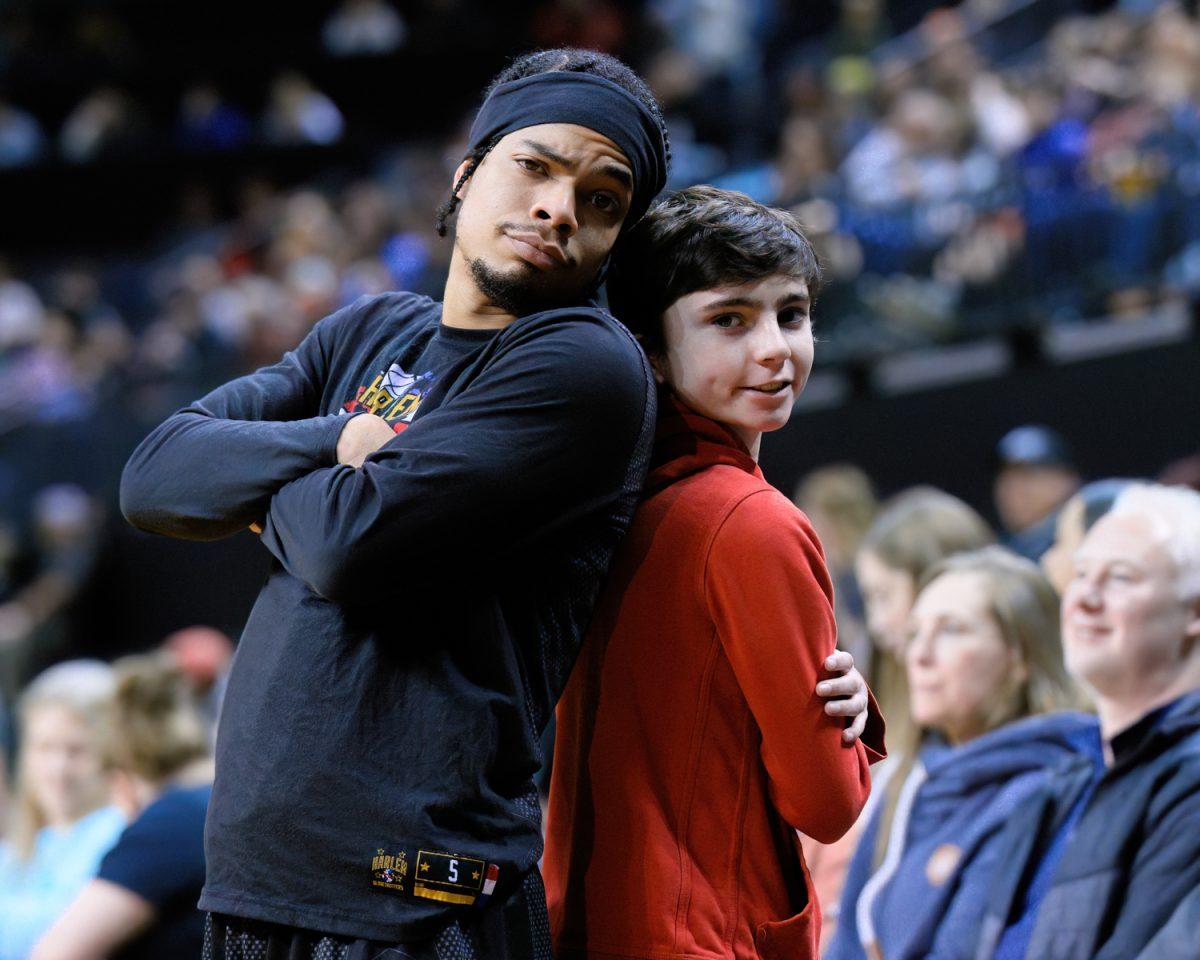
(616, 171)
(794, 297)
(550, 154)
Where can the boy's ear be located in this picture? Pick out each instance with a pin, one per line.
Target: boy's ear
(659, 365)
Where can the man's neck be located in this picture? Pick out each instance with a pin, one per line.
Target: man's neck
(463, 305)
(1118, 715)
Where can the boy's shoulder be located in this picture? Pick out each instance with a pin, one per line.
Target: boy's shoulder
(764, 513)
(736, 505)
(758, 530)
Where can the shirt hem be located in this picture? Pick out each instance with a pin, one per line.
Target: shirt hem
(315, 919)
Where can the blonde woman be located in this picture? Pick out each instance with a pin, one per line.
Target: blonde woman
(984, 666)
(60, 823)
(142, 903)
(914, 530)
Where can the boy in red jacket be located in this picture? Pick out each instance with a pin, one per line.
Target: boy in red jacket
(691, 742)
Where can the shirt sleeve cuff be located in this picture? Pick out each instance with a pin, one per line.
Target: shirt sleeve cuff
(873, 735)
(331, 433)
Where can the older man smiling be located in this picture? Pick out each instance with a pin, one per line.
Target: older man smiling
(1101, 859)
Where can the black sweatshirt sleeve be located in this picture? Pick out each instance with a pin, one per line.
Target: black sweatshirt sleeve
(542, 436)
(210, 470)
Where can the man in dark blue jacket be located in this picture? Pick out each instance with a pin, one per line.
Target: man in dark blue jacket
(1102, 857)
(1177, 940)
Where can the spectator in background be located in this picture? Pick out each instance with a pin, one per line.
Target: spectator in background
(913, 531)
(204, 655)
(1177, 938)
(33, 622)
(1073, 520)
(983, 661)
(104, 123)
(1102, 854)
(60, 825)
(1036, 476)
(142, 903)
(207, 122)
(21, 312)
(364, 28)
(592, 24)
(9, 552)
(841, 503)
(298, 113)
(21, 139)
(912, 157)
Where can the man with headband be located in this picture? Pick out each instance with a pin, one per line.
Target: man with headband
(441, 486)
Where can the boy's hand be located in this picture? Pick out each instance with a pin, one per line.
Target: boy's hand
(847, 694)
(362, 436)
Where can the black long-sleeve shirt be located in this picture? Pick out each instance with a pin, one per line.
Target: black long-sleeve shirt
(380, 729)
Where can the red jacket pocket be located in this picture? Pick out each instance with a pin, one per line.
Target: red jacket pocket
(797, 938)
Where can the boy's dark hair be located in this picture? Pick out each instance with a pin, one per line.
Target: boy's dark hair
(698, 238)
(546, 61)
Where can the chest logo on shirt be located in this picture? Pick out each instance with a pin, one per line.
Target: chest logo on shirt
(394, 395)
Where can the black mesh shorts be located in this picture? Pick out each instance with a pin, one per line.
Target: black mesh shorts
(520, 930)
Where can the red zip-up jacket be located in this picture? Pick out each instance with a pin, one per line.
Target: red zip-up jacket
(691, 743)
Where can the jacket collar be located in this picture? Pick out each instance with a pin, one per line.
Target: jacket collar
(686, 443)
(1158, 729)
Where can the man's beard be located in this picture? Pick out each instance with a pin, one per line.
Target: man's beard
(520, 293)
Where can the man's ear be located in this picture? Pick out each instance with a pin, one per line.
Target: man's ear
(462, 168)
(1192, 630)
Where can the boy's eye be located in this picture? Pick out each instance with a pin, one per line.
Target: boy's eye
(532, 166)
(726, 320)
(792, 315)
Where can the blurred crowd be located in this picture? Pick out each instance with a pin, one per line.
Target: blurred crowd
(977, 172)
(113, 119)
(108, 123)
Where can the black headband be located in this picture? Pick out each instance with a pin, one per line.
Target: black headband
(562, 96)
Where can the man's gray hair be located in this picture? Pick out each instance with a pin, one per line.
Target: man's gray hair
(1174, 513)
